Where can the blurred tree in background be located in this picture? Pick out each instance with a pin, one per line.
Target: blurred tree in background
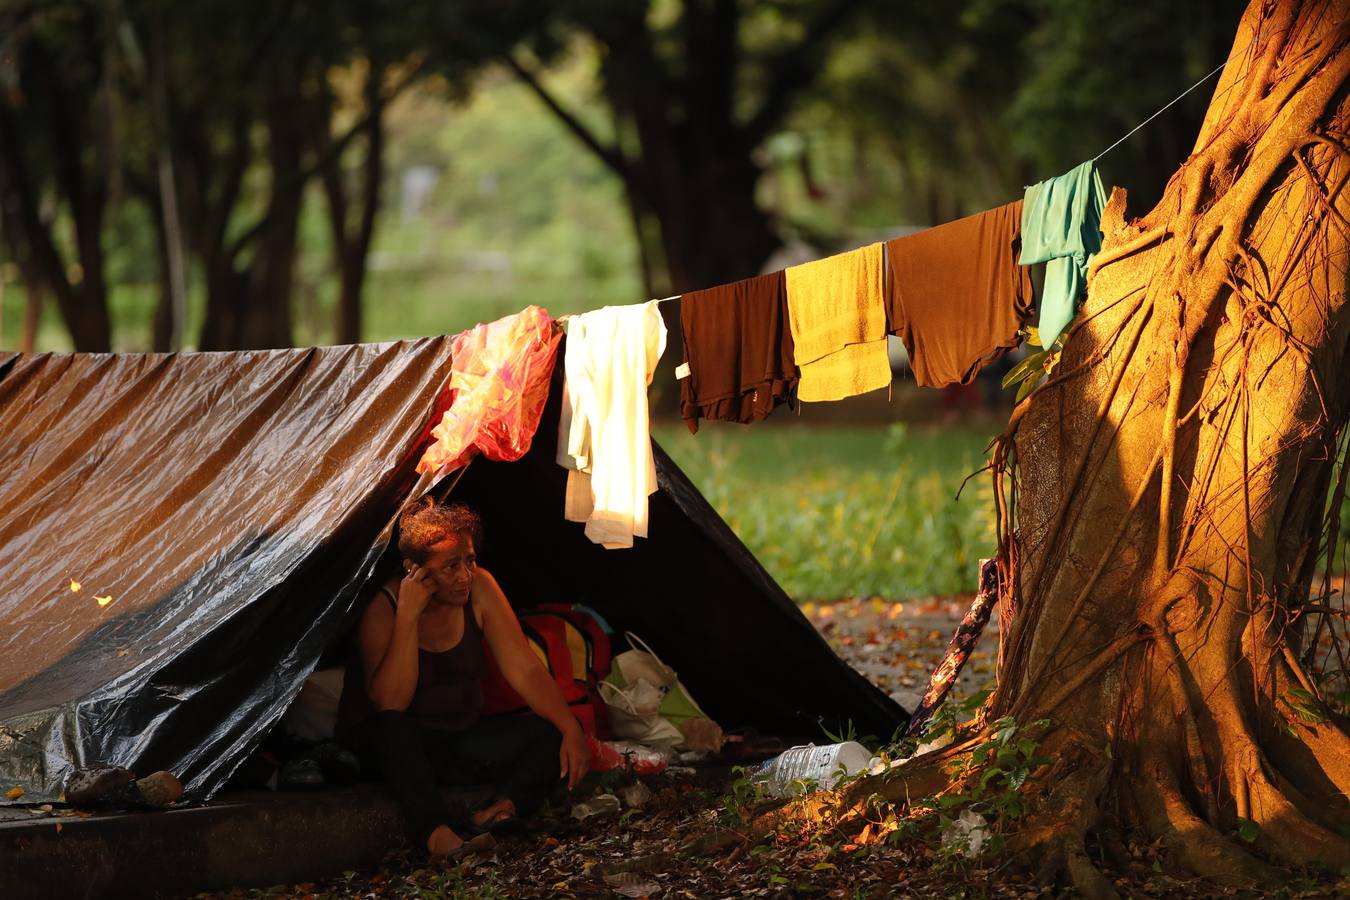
(213, 118)
(56, 162)
(693, 91)
(223, 175)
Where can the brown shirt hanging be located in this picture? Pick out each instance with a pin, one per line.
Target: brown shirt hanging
(956, 295)
(738, 346)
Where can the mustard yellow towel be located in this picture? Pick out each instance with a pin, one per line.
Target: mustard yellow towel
(838, 320)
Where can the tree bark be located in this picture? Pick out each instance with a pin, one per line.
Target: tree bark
(34, 295)
(1165, 497)
(691, 166)
(266, 311)
(213, 181)
(1199, 407)
(711, 226)
(249, 307)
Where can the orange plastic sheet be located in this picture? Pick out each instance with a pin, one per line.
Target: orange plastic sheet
(498, 384)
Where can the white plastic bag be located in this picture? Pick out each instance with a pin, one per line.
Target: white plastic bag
(967, 834)
(313, 715)
(634, 713)
(676, 706)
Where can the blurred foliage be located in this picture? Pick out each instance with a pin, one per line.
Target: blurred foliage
(517, 214)
(836, 121)
(953, 108)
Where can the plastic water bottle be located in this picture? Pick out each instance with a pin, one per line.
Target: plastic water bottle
(795, 769)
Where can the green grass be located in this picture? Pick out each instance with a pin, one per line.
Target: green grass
(851, 511)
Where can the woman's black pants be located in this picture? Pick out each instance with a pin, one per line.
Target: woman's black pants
(517, 755)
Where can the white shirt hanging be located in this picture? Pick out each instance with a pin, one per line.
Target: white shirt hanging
(604, 432)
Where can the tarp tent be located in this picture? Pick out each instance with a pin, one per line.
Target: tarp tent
(232, 504)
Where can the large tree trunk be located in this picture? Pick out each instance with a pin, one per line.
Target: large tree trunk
(1165, 498)
(265, 319)
(1172, 479)
(686, 137)
(691, 168)
(248, 307)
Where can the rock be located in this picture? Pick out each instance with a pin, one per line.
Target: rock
(159, 789)
(93, 784)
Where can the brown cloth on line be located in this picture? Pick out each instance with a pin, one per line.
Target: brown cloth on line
(738, 345)
(956, 295)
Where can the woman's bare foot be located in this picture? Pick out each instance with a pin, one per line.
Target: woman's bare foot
(443, 840)
(485, 817)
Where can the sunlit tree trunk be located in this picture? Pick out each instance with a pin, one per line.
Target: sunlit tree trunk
(1166, 502)
(1171, 484)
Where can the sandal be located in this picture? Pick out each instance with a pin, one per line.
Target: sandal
(481, 843)
(502, 825)
(508, 826)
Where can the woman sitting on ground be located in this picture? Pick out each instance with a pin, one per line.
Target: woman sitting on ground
(411, 709)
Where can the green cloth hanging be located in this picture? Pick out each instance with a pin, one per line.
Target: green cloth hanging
(1061, 227)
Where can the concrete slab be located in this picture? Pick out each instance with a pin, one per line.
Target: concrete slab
(254, 839)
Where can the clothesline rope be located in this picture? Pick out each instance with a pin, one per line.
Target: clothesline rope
(1219, 68)
(1207, 77)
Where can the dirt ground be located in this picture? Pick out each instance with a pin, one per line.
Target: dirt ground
(637, 852)
(898, 644)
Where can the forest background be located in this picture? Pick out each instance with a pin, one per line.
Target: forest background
(261, 174)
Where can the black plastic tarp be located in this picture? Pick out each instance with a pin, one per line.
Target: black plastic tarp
(231, 505)
(691, 590)
(227, 503)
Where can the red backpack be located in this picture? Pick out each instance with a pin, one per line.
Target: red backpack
(574, 648)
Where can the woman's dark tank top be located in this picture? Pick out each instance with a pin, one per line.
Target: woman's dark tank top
(449, 694)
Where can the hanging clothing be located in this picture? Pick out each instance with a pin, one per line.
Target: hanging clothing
(604, 433)
(1061, 227)
(958, 650)
(956, 295)
(838, 322)
(499, 376)
(738, 346)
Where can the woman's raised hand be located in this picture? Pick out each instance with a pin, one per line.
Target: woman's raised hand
(415, 590)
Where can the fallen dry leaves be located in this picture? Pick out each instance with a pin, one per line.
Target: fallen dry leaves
(637, 853)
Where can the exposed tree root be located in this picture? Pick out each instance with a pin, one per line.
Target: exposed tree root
(1195, 843)
(1089, 880)
(1058, 834)
(1318, 763)
(842, 812)
(918, 779)
(1290, 834)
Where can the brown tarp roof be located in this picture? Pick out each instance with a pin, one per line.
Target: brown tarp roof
(231, 505)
